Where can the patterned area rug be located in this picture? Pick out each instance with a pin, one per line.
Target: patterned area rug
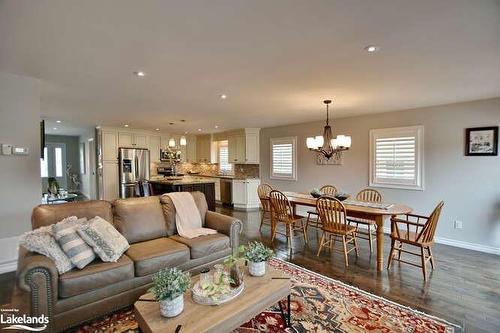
(319, 304)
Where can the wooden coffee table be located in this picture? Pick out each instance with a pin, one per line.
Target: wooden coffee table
(259, 294)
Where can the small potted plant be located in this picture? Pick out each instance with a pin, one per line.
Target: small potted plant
(257, 254)
(169, 285)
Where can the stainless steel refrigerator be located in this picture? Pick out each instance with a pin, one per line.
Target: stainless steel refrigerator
(133, 167)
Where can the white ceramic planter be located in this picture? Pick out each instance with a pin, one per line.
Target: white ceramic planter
(257, 268)
(172, 308)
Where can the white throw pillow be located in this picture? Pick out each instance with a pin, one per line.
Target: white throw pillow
(66, 235)
(102, 236)
(41, 241)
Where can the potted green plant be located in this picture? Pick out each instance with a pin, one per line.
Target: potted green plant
(257, 254)
(169, 285)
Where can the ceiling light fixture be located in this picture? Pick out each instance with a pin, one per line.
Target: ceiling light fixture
(55, 128)
(223, 96)
(372, 48)
(171, 143)
(216, 126)
(157, 129)
(139, 73)
(199, 129)
(58, 121)
(327, 145)
(183, 141)
(126, 125)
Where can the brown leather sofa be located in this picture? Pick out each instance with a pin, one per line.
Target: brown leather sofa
(100, 288)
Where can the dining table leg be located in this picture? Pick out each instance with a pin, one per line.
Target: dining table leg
(379, 220)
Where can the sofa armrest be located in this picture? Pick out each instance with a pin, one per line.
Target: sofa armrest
(227, 225)
(37, 280)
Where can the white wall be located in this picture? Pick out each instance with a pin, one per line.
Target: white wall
(470, 186)
(20, 175)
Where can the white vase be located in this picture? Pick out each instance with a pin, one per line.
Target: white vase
(171, 308)
(257, 268)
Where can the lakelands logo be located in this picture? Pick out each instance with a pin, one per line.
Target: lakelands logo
(15, 321)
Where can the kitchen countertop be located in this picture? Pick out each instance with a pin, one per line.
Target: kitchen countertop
(226, 177)
(186, 180)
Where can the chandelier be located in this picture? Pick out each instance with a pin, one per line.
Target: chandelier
(325, 144)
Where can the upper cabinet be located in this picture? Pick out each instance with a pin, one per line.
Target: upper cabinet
(154, 148)
(205, 149)
(243, 146)
(109, 146)
(132, 140)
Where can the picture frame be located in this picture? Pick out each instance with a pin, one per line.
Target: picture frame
(481, 141)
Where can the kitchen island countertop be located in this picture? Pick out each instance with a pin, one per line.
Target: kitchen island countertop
(180, 181)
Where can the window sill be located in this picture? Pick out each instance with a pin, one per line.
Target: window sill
(398, 186)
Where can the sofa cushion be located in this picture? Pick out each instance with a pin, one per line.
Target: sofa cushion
(153, 255)
(49, 214)
(96, 275)
(169, 210)
(139, 219)
(204, 245)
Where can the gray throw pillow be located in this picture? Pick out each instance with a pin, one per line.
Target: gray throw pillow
(79, 252)
(102, 236)
(41, 241)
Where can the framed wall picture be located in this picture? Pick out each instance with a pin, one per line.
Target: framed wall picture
(481, 141)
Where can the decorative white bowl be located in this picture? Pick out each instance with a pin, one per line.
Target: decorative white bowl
(200, 298)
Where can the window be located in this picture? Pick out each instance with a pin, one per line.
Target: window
(224, 165)
(54, 163)
(284, 158)
(396, 158)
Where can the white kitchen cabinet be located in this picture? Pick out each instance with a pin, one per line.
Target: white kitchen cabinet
(110, 180)
(109, 145)
(205, 149)
(245, 195)
(191, 149)
(243, 146)
(132, 140)
(154, 148)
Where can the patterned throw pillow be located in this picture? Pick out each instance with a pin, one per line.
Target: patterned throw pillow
(71, 243)
(102, 236)
(41, 241)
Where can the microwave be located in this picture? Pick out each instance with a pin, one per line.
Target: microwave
(167, 155)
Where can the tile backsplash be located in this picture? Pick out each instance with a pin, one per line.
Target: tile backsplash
(240, 170)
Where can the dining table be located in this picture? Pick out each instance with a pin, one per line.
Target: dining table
(377, 212)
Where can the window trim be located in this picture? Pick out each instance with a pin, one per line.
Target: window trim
(419, 156)
(293, 141)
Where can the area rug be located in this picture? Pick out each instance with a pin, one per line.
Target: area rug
(319, 304)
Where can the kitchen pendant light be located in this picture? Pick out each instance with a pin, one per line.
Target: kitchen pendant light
(325, 144)
(183, 141)
(171, 143)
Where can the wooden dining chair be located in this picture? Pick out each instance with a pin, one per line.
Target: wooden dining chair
(282, 212)
(366, 195)
(312, 215)
(263, 191)
(332, 214)
(418, 231)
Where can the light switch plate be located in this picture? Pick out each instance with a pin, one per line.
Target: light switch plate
(6, 149)
(20, 150)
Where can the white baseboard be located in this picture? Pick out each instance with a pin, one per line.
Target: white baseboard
(8, 254)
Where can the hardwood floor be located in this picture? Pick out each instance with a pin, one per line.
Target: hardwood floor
(463, 289)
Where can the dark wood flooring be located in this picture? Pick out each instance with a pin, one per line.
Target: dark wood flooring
(463, 289)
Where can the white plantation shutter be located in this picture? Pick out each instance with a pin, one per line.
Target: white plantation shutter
(224, 164)
(283, 158)
(396, 157)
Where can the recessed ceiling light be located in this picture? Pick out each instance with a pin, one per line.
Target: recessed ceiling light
(139, 73)
(170, 123)
(126, 125)
(223, 96)
(183, 120)
(58, 121)
(186, 132)
(157, 129)
(216, 126)
(372, 48)
(55, 128)
(199, 129)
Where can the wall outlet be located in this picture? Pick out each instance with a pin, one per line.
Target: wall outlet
(458, 224)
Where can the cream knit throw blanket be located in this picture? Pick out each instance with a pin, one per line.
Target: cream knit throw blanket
(187, 216)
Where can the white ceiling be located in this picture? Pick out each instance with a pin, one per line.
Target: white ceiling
(276, 60)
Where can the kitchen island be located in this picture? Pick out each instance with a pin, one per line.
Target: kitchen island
(163, 185)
